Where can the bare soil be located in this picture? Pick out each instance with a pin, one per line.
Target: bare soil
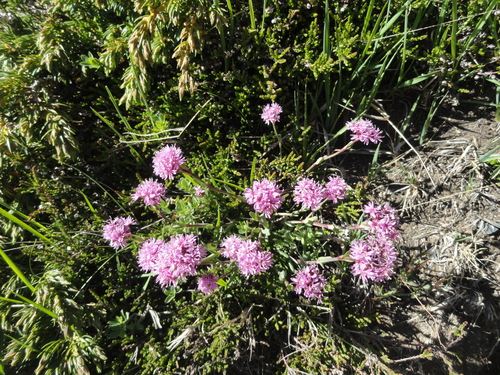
(449, 321)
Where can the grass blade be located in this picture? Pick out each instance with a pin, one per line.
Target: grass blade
(22, 224)
(38, 306)
(16, 270)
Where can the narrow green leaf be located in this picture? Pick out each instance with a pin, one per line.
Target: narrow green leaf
(23, 216)
(252, 171)
(91, 208)
(16, 270)
(22, 224)
(415, 80)
(11, 300)
(38, 306)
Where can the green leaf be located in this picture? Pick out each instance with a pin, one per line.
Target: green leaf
(38, 306)
(16, 270)
(25, 226)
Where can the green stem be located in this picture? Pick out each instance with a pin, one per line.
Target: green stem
(278, 136)
(207, 185)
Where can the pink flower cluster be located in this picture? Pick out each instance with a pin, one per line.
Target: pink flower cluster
(309, 282)
(374, 258)
(151, 192)
(117, 230)
(271, 113)
(167, 162)
(248, 254)
(364, 131)
(336, 189)
(265, 196)
(383, 222)
(311, 193)
(172, 261)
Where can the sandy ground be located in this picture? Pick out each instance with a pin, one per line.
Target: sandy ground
(450, 213)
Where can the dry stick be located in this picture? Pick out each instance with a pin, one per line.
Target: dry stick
(182, 130)
(384, 114)
(323, 158)
(449, 196)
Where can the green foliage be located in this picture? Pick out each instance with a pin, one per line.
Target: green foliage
(67, 349)
(70, 155)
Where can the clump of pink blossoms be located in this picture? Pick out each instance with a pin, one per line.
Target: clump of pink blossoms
(271, 113)
(265, 196)
(151, 192)
(248, 254)
(148, 254)
(309, 282)
(167, 162)
(364, 131)
(309, 193)
(117, 230)
(384, 221)
(336, 189)
(207, 283)
(178, 258)
(374, 258)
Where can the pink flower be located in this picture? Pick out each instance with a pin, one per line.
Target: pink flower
(271, 113)
(167, 162)
(384, 221)
(309, 282)
(231, 246)
(374, 258)
(150, 191)
(117, 230)
(309, 193)
(248, 254)
(208, 283)
(265, 196)
(198, 191)
(252, 260)
(364, 131)
(178, 258)
(336, 189)
(148, 254)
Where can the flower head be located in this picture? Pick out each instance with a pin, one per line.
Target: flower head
(208, 283)
(167, 162)
(271, 113)
(231, 246)
(150, 191)
(178, 258)
(384, 221)
(374, 258)
(117, 230)
(336, 189)
(265, 196)
(252, 260)
(364, 131)
(309, 282)
(309, 193)
(148, 254)
(248, 254)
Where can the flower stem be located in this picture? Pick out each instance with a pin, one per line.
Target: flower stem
(278, 136)
(207, 185)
